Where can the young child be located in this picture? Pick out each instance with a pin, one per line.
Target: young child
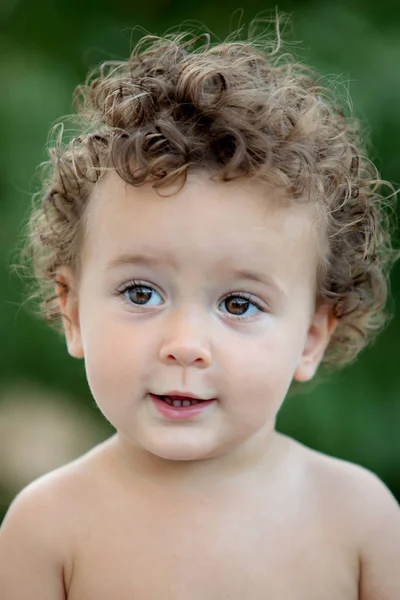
(213, 234)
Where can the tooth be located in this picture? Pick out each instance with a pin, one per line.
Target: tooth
(186, 403)
(165, 399)
(176, 403)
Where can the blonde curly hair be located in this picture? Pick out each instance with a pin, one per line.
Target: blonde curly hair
(233, 109)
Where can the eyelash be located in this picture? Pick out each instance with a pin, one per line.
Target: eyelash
(231, 294)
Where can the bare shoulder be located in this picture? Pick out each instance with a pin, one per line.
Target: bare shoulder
(62, 491)
(37, 533)
(347, 485)
(53, 486)
(360, 504)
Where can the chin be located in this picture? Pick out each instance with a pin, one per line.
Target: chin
(179, 450)
(179, 454)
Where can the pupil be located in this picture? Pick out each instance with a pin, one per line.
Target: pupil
(238, 303)
(139, 295)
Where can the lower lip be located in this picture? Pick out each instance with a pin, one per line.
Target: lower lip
(177, 413)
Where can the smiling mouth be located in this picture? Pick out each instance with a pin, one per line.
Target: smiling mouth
(179, 401)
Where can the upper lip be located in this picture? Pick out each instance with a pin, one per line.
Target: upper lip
(184, 395)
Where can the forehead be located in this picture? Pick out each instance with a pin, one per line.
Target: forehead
(222, 222)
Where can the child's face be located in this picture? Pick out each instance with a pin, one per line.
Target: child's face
(185, 329)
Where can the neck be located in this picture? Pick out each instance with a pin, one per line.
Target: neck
(261, 455)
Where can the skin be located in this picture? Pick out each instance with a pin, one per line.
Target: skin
(222, 506)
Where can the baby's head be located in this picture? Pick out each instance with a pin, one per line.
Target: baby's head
(237, 160)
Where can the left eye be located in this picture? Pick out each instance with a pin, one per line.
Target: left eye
(238, 305)
(141, 295)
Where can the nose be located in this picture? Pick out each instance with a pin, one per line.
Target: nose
(186, 342)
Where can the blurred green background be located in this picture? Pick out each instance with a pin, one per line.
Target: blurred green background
(47, 415)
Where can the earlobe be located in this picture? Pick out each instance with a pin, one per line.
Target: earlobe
(66, 291)
(319, 334)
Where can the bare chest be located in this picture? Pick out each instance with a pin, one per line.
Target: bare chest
(200, 553)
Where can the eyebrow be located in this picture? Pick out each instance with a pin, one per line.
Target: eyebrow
(259, 278)
(154, 261)
(134, 259)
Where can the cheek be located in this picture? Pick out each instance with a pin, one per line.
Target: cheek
(115, 358)
(260, 370)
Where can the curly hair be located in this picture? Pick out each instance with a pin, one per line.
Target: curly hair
(233, 109)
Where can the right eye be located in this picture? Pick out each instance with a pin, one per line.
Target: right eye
(139, 294)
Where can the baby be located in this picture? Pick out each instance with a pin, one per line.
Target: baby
(213, 234)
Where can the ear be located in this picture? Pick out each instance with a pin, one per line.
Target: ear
(67, 292)
(318, 336)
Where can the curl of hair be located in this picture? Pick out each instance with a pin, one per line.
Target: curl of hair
(234, 109)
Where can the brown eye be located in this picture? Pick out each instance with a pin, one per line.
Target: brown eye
(242, 306)
(141, 295)
(237, 305)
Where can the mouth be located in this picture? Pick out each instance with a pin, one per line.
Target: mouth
(180, 407)
(178, 401)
